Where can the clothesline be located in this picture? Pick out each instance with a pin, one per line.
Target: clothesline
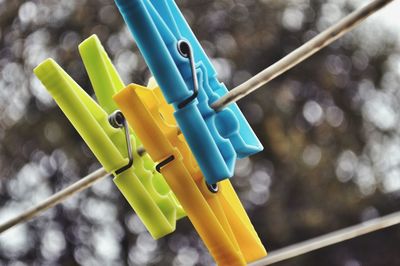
(55, 199)
(329, 239)
(300, 54)
(273, 257)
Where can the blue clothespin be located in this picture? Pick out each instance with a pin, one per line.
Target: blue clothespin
(189, 82)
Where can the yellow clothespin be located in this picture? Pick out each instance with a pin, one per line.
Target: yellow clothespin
(215, 211)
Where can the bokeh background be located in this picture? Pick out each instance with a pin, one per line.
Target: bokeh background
(329, 127)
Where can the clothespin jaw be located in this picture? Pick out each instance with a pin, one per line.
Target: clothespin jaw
(215, 212)
(146, 191)
(189, 82)
(102, 73)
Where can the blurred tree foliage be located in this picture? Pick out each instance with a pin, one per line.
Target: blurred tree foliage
(329, 128)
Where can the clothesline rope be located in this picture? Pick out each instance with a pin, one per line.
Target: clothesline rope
(329, 239)
(320, 41)
(56, 198)
(273, 257)
(297, 56)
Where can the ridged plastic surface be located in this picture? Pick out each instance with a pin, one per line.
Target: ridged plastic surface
(216, 139)
(219, 218)
(144, 188)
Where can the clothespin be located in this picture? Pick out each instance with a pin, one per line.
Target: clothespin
(189, 82)
(108, 136)
(214, 210)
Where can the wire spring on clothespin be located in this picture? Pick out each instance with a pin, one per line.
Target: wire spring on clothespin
(117, 120)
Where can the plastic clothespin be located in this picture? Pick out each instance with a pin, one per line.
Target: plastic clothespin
(110, 138)
(214, 210)
(189, 82)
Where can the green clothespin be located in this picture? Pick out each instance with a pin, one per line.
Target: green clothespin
(115, 148)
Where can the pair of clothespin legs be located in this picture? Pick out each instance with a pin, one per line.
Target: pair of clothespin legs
(189, 83)
(215, 211)
(146, 190)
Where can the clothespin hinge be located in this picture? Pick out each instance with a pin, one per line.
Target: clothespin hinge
(117, 120)
(186, 51)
